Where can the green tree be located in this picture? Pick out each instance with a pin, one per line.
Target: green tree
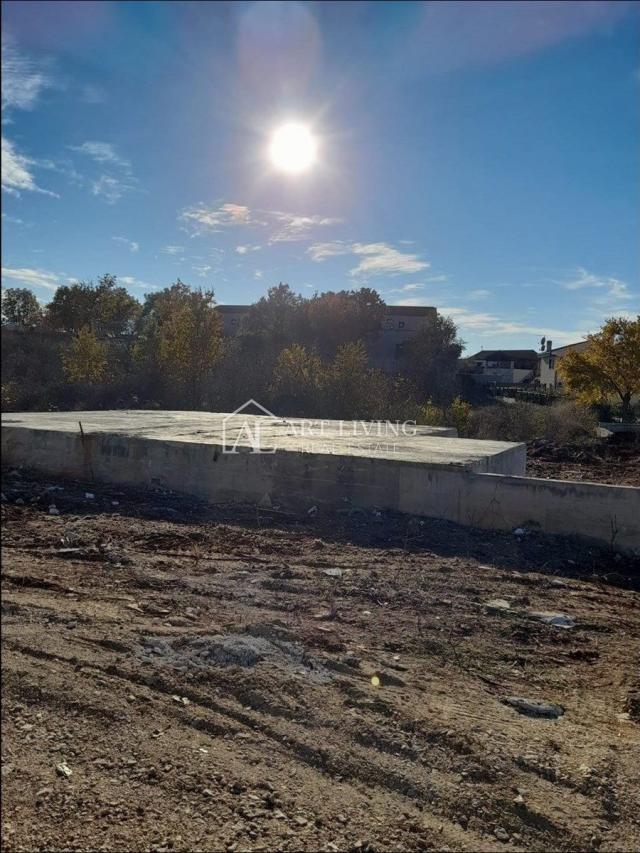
(353, 389)
(180, 342)
(298, 381)
(608, 366)
(333, 319)
(430, 360)
(20, 307)
(106, 308)
(85, 361)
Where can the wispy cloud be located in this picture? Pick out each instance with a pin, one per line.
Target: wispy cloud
(375, 259)
(321, 251)
(292, 227)
(284, 227)
(131, 281)
(243, 250)
(172, 250)
(15, 220)
(479, 294)
(23, 78)
(202, 270)
(406, 288)
(17, 175)
(383, 259)
(258, 274)
(111, 188)
(119, 180)
(32, 277)
(581, 279)
(102, 152)
(131, 244)
(202, 218)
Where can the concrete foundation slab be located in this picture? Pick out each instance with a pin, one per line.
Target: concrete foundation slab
(470, 482)
(259, 434)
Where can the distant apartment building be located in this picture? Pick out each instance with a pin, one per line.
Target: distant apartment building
(501, 367)
(548, 363)
(400, 323)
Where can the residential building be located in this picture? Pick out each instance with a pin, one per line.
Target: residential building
(399, 324)
(548, 363)
(501, 367)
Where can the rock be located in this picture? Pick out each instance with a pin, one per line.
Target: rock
(53, 510)
(89, 496)
(19, 502)
(332, 573)
(63, 770)
(520, 532)
(301, 821)
(501, 834)
(495, 605)
(534, 707)
(559, 620)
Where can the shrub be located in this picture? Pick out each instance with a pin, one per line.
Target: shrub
(457, 415)
(565, 421)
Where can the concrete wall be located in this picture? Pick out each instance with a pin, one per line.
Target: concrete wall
(608, 514)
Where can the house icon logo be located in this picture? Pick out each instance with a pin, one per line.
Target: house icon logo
(243, 427)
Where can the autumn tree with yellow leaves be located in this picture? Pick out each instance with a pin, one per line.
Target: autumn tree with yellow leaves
(608, 366)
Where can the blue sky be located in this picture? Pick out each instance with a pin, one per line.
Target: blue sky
(479, 157)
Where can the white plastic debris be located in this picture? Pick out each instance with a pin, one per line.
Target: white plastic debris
(313, 510)
(89, 496)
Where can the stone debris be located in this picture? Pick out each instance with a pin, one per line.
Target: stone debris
(243, 650)
(497, 604)
(63, 770)
(332, 573)
(558, 620)
(534, 707)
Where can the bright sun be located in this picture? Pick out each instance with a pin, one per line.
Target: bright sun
(293, 148)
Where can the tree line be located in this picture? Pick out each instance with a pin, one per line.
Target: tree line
(97, 346)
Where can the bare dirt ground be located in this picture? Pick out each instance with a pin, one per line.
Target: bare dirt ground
(605, 461)
(227, 679)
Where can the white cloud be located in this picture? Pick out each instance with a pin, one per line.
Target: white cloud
(242, 250)
(407, 288)
(375, 258)
(203, 270)
(172, 250)
(382, 259)
(16, 172)
(258, 274)
(479, 294)
(23, 78)
(32, 277)
(110, 188)
(285, 227)
(13, 219)
(200, 218)
(292, 227)
(132, 245)
(102, 152)
(321, 251)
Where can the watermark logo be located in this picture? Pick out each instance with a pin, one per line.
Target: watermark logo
(253, 428)
(241, 428)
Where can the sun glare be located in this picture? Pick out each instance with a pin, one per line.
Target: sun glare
(293, 148)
